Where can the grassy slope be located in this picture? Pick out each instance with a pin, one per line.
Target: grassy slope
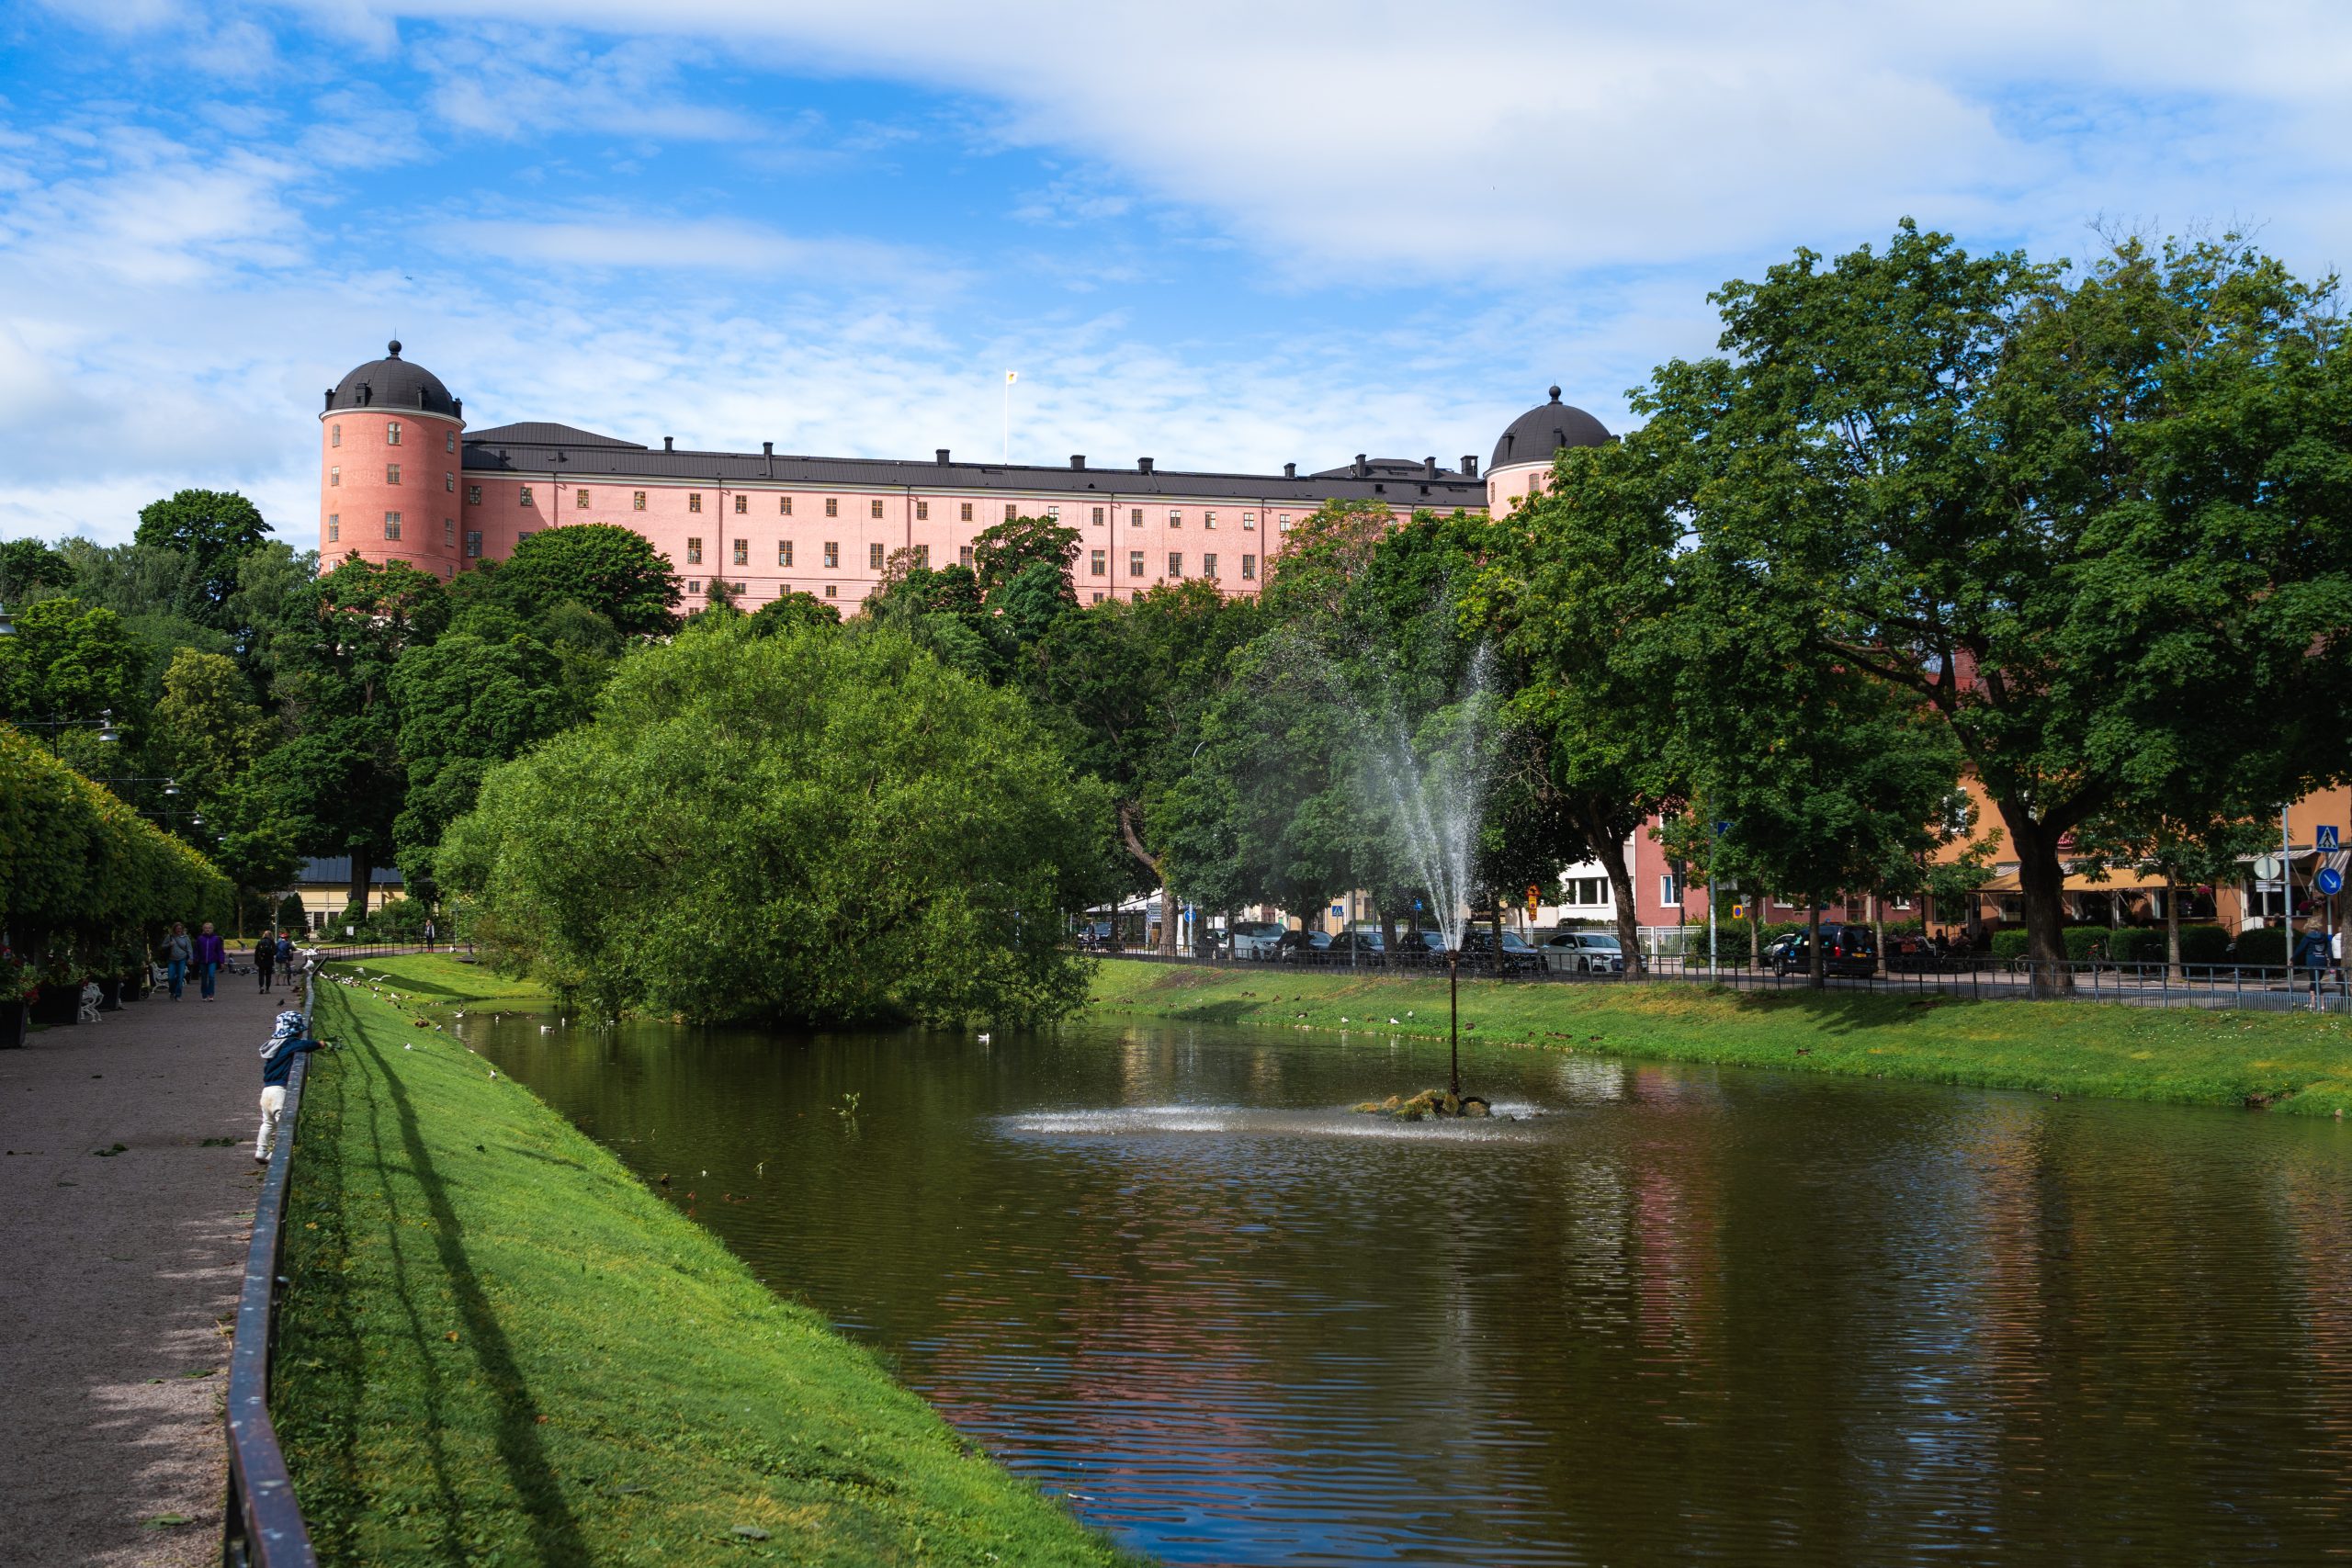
(499, 1347)
(2294, 1062)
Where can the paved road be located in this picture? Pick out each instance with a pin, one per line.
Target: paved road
(120, 1274)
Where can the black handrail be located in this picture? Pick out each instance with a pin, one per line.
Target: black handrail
(262, 1525)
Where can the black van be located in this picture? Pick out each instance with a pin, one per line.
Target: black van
(1844, 949)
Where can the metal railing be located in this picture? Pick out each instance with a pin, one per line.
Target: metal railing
(263, 1526)
(2241, 986)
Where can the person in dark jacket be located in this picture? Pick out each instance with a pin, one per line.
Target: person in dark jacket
(286, 1042)
(210, 955)
(266, 958)
(178, 953)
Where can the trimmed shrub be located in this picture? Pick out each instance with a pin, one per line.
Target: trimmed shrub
(2009, 945)
(2267, 947)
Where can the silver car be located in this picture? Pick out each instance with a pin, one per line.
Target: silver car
(1583, 952)
(1255, 939)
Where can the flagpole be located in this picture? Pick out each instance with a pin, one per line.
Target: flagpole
(1008, 416)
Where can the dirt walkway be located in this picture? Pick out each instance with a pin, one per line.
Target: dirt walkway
(120, 1274)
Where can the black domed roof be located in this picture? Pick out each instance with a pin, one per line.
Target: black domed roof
(394, 383)
(1543, 429)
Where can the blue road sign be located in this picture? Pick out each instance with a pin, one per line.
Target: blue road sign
(2328, 837)
(1721, 828)
(1417, 906)
(2329, 881)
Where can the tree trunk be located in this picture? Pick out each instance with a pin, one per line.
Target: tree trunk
(2041, 887)
(1127, 814)
(1756, 931)
(1817, 976)
(1168, 916)
(1878, 922)
(2172, 927)
(363, 876)
(1611, 855)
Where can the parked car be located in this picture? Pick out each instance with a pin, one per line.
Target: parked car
(1363, 950)
(1255, 939)
(1849, 950)
(1419, 948)
(1301, 947)
(1518, 955)
(1583, 952)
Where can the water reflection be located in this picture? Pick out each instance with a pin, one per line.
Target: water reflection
(1662, 1314)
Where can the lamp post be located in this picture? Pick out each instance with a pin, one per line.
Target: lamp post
(103, 724)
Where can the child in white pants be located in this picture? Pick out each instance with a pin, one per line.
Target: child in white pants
(286, 1042)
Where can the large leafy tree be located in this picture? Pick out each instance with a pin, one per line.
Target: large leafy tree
(2098, 523)
(800, 825)
(614, 571)
(212, 531)
(71, 662)
(1004, 551)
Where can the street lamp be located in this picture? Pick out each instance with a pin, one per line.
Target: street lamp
(106, 731)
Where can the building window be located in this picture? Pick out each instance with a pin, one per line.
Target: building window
(1135, 563)
(922, 557)
(1285, 525)
(742, 552)
(874, 556)
(522, 537)
(335, 434)
(391, 473)
(449, 441)
(1098, 561)
(334, 527)
(580, 499)
(1098, 517)
(784, 506)
(1670, 891)
(967, 512)
(742, 503)
(1135, 516)
(1208, 519)
(693, 550)
(1248, 522)
(1208, 565)
(876, 507)
(1009, 513)
(524, 496)
(964, 557)
(449, 530)
(831, 590)
(473, 495)
(1534, 486)
(449, 483)
(391, 525)
(1054, 513)
(636, 501)
(832, 554)
(693, 501)
(832, 506)
(1098, 599)
(922, 511)
(694, 585)
(473, 543)
(334, 479)
(1249, 568)
(784, 552)
(1175, 518)
(392, 434)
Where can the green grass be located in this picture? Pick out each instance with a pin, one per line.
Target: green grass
(2297, 1062)
(499, 1347)
(443, 978)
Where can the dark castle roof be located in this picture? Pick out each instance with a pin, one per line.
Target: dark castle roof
(1543, 429)
(392, 384)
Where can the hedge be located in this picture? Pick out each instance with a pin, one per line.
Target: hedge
(86, 882)
(2147, 944)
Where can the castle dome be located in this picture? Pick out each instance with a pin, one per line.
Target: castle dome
(394, 385)
(1535, 436)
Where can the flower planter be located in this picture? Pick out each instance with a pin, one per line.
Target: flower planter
(58, 1007)
(15, 1021)
(109, 993)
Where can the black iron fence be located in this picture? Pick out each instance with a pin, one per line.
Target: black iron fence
(263, 1527)
(2249, 987)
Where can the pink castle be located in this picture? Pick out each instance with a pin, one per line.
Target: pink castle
(401, 479)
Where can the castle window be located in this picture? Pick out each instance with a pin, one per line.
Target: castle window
(742, 503)
(1249, 568)
(693, 550)
(636, 501)
(742, 552)
(1098, 598)
(473, 543)
(784, 552)
(1009, 513)
(449, 441)
(580, 499)
(832, 506)
(392, 434)
(391, 473)
(1098, 517)
(449, 483)
(922, 557)
(874, 556)
(1208, 565)
(335, 478)
(832, 554)
(473, 495)
(876, 506)
(922, 511)
(1175, 518)
(523, 500)
(522, 537)
(831, 590)
(967, 512)
(1054, 513)
(694, 585)
(335, 434)
(784, 506)
(1175, 563)
(334, 527)
(1135, 516)
(1208, 519)
(964, 556)
(693, 501)
(1285, 523)
(1248, 522)
(391, 525)
(449, 530)
(1097, 562)
(1135, 563)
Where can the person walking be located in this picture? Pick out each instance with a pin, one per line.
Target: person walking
(285, 957)
(286, 1042)
(210, 955)
(177, 952)
(266, 958)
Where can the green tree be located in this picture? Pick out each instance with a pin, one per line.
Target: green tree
(213, 531)
(612, 569)
(1004, 551)
(26, 565)
(788, 610)
(69, 660)
(208, 731)
(800, 825)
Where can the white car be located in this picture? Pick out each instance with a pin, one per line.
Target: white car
(1255, 939)
(1583, 952)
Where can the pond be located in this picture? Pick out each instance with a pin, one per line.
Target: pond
(1660, 1314)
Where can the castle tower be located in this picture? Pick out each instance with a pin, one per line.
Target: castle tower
(1523, 457)
(392, 454)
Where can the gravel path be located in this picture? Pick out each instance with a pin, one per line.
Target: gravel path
(121, 1276)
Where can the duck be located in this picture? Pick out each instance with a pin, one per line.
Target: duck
(985, 1037)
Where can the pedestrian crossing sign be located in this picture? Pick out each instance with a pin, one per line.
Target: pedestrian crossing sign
(2327, 836)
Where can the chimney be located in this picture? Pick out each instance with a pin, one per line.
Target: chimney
(1361, 468)
(330, 400)
(1469, 465)
(1429, 468)
(767, 448)
(669, 443)
(1143, 465)
(458, 407)
(942, 457)
(1078, 459)
(1290, 471)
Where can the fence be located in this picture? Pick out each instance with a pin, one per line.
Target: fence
(264, 1528)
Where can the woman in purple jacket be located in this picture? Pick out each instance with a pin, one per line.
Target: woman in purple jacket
(210, 955)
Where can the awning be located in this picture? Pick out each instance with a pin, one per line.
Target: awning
(2116, 882)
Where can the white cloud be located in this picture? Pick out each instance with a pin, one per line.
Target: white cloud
(664, 242)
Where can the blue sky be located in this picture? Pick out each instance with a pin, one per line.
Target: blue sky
(1224, 235)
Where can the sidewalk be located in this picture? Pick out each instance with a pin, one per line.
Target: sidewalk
(121, 1275)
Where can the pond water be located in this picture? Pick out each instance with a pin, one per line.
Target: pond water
(1665, 1313)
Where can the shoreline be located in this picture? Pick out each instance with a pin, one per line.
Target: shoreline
(498, 1342)
(2297, 1063)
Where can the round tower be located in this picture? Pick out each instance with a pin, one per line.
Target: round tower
(1524, 454)
(391, 457)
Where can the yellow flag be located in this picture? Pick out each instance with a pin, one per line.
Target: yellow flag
(1011, 376)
